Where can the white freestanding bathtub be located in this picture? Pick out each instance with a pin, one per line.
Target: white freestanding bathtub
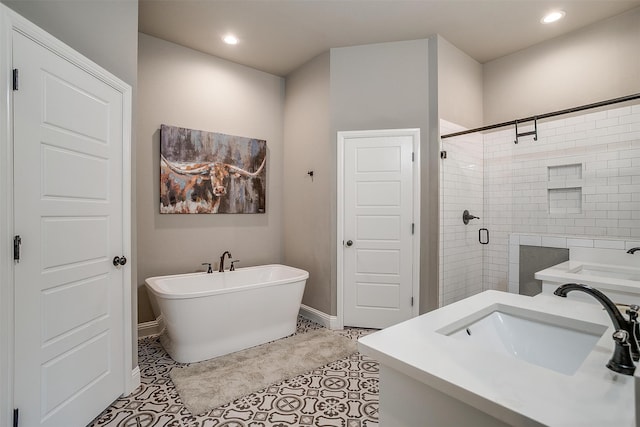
(206, 315)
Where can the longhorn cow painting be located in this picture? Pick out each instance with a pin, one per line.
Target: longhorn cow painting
(208, 172)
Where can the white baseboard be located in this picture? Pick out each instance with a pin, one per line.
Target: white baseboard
(149, 328)
(324, 319)
(132, 383)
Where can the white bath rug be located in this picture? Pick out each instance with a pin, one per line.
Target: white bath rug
(206, 385)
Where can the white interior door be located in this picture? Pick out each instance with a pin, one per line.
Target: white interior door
(378, 228)
(69, 213)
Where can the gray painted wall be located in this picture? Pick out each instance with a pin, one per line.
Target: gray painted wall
(182, 87)
(378, 86)
(386, 86)
(105, 31)
(460, 87)
(595, 63)
(307, 201)
(430, 189)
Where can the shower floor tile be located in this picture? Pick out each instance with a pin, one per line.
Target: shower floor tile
(343, 393)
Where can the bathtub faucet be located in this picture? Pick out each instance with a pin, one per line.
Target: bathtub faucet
(221, 267)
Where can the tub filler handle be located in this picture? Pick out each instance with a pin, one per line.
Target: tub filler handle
(233, 267)
(209, 269)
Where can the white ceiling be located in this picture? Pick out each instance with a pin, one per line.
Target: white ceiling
(277, 36)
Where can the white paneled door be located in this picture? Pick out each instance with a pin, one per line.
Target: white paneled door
(68, 187)
(378, 228)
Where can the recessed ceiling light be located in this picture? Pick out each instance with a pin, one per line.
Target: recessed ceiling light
(554, 16)
(230, 39)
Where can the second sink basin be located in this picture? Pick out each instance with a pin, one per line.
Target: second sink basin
(554, 343)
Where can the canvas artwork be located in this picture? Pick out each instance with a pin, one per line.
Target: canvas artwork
(208, 172)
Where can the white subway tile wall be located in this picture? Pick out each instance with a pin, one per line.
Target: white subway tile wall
(577, 185)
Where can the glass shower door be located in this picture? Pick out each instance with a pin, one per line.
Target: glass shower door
(461, 189)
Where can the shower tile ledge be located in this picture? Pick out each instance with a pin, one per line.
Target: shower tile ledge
(512, 391)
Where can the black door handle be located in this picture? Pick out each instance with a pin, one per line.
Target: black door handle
(119, 260)
(349, 242)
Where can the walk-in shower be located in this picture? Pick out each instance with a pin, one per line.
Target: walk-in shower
(563, 179)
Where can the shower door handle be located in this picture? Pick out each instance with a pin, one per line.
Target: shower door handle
(484, 241)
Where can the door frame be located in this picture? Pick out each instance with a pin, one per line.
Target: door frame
(342, 136)
(9, 22)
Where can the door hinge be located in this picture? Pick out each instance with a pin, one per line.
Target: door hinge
(413, 228)
(17, 241)
(16, 414)
(443, 154)
(411, 301)
(15, 79)
(413, 156)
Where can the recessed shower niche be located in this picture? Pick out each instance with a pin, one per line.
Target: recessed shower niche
(564, 188)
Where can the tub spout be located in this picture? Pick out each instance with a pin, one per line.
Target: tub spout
(221, 266)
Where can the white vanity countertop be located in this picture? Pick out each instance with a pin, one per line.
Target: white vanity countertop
(512, 390)
(610, 269)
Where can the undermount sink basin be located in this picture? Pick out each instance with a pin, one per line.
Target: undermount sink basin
(607, 272)
(554, 343)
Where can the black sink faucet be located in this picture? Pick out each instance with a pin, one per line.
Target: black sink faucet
(626, 343)
(633, 250)
(221, 266)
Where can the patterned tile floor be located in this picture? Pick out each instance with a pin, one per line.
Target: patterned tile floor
(341, 394)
